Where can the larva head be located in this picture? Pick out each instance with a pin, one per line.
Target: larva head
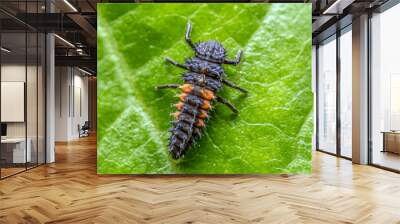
(211, 50)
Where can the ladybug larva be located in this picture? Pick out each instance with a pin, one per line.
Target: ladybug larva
(203, 78)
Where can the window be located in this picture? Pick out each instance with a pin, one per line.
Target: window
(385, 89)
(327, 95)
(346, 93)
(22, 77)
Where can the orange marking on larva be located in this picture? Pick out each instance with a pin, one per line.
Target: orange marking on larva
(187, 88)
(207, 94)
(179, 105)
(200, 123)
(206, 105)
(182, 97)
(176, 114)
(203, 114)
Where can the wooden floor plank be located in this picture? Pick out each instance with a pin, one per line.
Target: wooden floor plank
(70, 191)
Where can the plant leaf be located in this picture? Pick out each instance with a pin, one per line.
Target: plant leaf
(271, 134)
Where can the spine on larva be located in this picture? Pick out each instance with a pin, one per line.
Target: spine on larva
(193, 108)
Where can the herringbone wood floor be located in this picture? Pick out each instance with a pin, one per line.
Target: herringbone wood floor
(70, 191)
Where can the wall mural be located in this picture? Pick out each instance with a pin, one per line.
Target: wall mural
(204, 88)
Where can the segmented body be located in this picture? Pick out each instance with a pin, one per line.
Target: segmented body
(202, 82)
(203, 78)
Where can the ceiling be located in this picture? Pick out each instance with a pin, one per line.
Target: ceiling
(75, 23)
(331, 15)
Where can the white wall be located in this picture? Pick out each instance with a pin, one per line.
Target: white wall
(33, 127)
(14, 72)
(17, 72)
(62, 81)
(71, 102)
(80, 110)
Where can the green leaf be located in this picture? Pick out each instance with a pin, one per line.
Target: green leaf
(271, 134)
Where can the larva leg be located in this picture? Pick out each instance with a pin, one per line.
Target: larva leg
(172, 86)
(234, 86)
(176, 63)
(235, 61)
(187, 36)
(227, 103)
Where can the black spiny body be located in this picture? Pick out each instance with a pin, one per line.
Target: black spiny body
(203, 79)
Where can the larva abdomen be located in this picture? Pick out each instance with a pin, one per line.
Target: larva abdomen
(193, 109)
